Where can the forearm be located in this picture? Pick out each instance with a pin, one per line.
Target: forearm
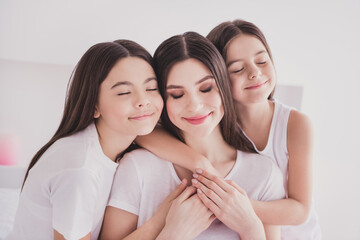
(281, 212)
(255, 231)
(165, 235)
(148, 231)
(167, 147)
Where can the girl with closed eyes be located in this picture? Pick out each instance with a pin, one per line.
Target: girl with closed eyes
(199, 112)
(274, 129)
(113, 97)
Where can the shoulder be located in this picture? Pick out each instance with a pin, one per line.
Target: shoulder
(299, 128)
(141, 159)
(69, 152)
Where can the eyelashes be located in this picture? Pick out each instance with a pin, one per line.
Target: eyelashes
(239, 70)
(177, 96)
(148, 90)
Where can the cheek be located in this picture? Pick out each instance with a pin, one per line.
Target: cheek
(236, 87)
(214, 100)
(172, 108)
(157, 102)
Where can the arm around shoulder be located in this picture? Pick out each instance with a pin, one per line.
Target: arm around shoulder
(167, 147)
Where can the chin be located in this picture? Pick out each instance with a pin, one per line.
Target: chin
(198, 133)
(145, 131)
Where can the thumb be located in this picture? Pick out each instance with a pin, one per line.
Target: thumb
(188, 192)
(178, 190)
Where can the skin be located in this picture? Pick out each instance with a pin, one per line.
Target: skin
(253, 78)
(127, 94)
(192, 93)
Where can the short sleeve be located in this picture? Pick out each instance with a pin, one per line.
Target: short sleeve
(126, 191)
(274, 186)
(73, 195)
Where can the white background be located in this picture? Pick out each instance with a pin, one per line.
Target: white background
(314, 43)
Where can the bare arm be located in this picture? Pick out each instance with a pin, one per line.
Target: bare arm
(162, 144)
(120, 224)
(298, 203)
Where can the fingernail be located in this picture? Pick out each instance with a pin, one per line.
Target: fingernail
(194, 181)
(195, 175)
(198, 170)
(199, 191)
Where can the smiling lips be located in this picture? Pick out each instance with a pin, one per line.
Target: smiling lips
(197, 119)
(142, 117)
(255, 86)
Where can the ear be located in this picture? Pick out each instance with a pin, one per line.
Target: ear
(96, 112)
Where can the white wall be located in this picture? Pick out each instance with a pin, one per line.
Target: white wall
(315, 44)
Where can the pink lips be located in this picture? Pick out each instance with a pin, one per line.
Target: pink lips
(141, 117)
(258, 85)
(197, 119)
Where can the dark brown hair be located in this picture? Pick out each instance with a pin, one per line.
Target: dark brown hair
(222, 35)
(84, 85)
(192, 45)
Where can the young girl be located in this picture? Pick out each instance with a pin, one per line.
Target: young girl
(113, 97)
(276, 130)
(194, 83)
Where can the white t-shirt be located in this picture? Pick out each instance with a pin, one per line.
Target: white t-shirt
(67, 190)
(276, 149)
(143, 180)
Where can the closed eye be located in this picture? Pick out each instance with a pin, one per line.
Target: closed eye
(124, 93)
(176, 96)
(262, 62)
(151, 89)
(239, 70)
(206, 90)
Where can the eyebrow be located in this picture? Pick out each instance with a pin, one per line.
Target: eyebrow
(127, 83)
(238, 60)
(198, 82)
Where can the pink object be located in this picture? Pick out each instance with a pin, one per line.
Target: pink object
(8, 150)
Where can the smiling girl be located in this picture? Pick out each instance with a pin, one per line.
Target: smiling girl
(274, 129)
(113, 97)
(199, 112)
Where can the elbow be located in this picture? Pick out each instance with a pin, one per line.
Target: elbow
(302, 215)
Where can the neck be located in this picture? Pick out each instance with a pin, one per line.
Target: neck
(254, 114)
(112, 143)
(213, 146)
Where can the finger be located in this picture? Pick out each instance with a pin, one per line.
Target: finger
(212, 218)
(208, 203)
(178, 190)
(237, 187)
(213, 196)
(186, 194)
(219, 181)
(199, 179)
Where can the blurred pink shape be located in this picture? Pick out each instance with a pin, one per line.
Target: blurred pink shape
(8, 150)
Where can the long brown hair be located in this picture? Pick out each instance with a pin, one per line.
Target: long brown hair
(223, 33)
(192, 45)
(84, 85)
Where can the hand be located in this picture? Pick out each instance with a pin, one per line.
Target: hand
(187, 217)
(229, 203)
(164, 207)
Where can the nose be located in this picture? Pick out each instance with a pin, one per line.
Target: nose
(254, 72)
(142, 100)
(194, 103)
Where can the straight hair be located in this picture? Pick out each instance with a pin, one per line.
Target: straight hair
(224, 33)
(192, 45)
(84, 86)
